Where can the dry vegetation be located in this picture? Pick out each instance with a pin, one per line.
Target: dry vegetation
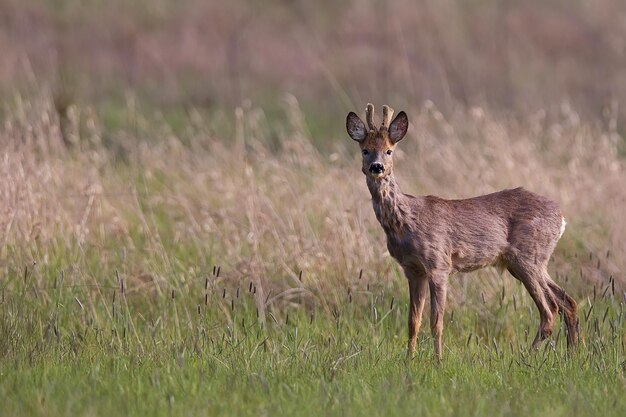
(296, 221)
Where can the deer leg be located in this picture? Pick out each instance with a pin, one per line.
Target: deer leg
(532, 279)
(438, 290)
(568, 308)
(550, 297)
(417, 293)
(546, 318)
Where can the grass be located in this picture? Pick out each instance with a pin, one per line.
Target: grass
(170, 270)
(168, 246)
(65, 353)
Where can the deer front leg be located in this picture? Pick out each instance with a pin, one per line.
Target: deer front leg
(417, 295)
(438, 290)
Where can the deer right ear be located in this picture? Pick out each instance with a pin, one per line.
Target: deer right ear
(356, 128)
(398, 128)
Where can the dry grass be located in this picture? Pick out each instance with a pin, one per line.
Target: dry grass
(165, 208)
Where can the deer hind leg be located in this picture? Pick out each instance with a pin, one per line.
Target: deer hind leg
(438, 291)
(533, 279)
(417, 292)
(568, 308)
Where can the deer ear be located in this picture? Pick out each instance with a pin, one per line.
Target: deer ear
(356, 128)
(398, 128)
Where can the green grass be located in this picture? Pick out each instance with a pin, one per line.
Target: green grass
(86, 350)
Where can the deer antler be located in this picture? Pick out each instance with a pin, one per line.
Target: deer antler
(387, 113)
(369, 116)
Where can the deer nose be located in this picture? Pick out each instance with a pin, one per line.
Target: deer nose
(377, 168)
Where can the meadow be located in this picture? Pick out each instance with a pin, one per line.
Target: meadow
(155, 270)
(185, 230)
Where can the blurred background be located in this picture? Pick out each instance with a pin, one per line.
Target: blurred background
(503, 54)
(160, 138)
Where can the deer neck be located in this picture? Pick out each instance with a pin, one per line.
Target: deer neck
(390, 204)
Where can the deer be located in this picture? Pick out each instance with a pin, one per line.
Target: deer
(433, 238)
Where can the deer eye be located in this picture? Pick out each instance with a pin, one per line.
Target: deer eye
(389, 152)
(365, 152)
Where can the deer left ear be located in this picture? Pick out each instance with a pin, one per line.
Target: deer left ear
(399, 127)
(355, 127)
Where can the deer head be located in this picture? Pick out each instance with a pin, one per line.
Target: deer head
(377, 144)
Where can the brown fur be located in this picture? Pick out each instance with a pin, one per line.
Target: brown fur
(432, 237)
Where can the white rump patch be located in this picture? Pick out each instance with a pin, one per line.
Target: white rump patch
(563, 224)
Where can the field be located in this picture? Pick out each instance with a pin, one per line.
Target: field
(191, 275)
(176, 246)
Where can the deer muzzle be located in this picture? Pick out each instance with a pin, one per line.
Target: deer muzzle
(377, 168)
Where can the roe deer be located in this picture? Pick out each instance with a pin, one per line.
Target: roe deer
(432, 238)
